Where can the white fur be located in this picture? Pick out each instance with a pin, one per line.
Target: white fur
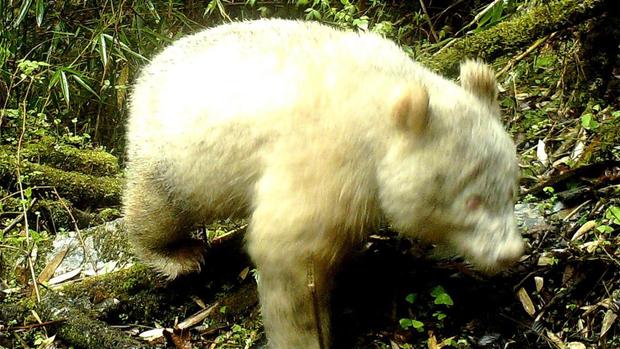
(293, 124)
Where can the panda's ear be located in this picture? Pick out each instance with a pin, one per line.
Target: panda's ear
(410, 110)
(479, 79)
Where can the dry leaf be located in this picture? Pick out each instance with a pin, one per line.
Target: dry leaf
(198, 317)
(51, 267)
(589, 225)
(545, 260)
(568, 275)
(575, 345)
(526, 301)
(64, 277)
(153, 334)
(541, 153)
(540, 282)
(199, 301)
(608, 321)
(431, 343)
(555, 340)
(244, 273)
(178, 337)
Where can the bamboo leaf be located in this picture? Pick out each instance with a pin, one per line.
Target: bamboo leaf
(23, 11)
(85, 85)
(64, 86)
(54, 79)
(40, 11)
(103, 49)
(153, 11)
(124, 47)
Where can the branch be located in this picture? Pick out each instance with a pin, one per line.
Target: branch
(516, 33)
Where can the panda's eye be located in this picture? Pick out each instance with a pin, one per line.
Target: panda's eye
(474, 202)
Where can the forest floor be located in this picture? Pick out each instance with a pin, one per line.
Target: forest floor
(392, 293)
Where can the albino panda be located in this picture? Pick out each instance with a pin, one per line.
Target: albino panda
(316, 135)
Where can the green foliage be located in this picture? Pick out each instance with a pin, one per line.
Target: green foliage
(411, 323)
(588, 122)
(411, 298)
(613, 215)
(70, 64)
(428, 314)
(441, 297)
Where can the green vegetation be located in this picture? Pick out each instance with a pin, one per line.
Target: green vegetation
(66, 70)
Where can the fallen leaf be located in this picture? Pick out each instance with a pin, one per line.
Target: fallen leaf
(555, 340)
(540, 282)
(545, 260)
(584, 229)
(51, 267)
(197, 317)
(575, 345)
(244, 273)
(608, 321)
(178, 337)
(526, 301)
(153, 334)
(541, 153)
(64, 277)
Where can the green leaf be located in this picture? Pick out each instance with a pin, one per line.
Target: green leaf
(613, 214)
(312, 14)
(439, 315)
(23, 11)
(444, 299)
(605, 229)
(103, 53)
(153, 11)
(411, 298)
(418, 325)
(40, 11)
(588, 122)
(54, 79)
(28, 192)
(64, 86)
(437, 290)
(405, 323)
(441, 297)
(85, 85)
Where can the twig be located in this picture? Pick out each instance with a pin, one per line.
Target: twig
(17, 219)
(428, 20)
(525, 53)
(198, 317)
(231, 235)
(23, 200)
(42, 324)
(77, 232)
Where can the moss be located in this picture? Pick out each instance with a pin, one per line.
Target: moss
(515, 34)
(119, 284)
(69, 158)
(109, 214)
(81, 328)
(81, 189)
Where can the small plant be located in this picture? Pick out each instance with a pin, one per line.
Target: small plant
(406, 324)
(588, 122)
(440, 298)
